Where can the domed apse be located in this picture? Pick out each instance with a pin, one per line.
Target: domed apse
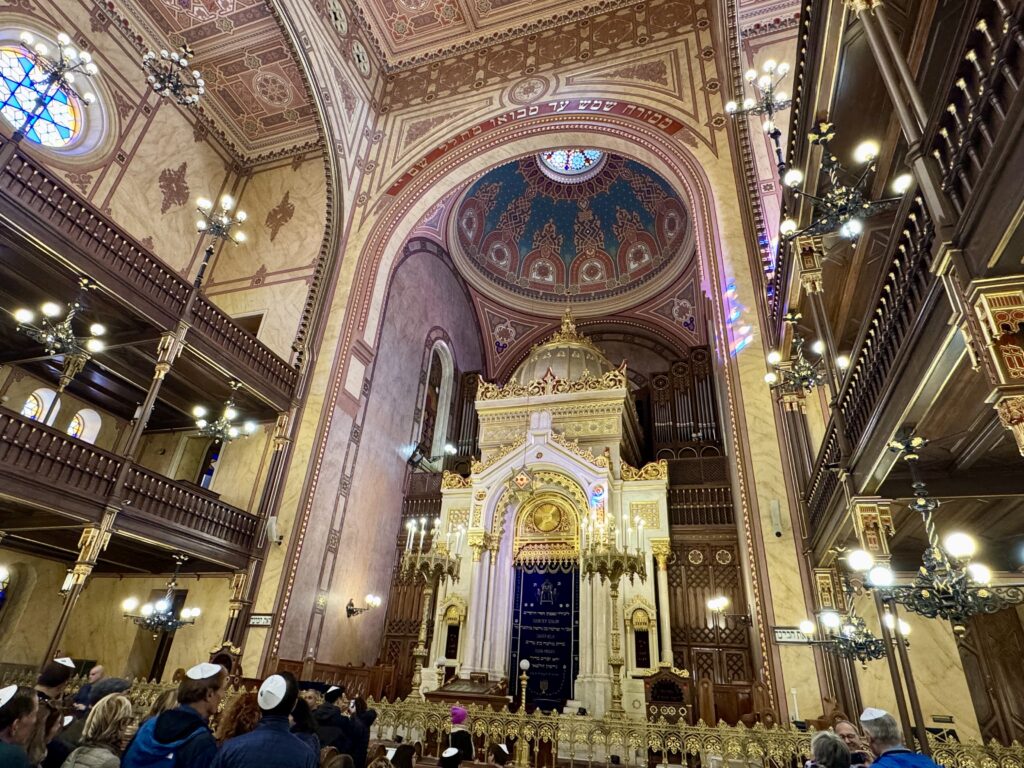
(569, 222)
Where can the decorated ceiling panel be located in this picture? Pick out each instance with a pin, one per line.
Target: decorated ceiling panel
(530, 233)
(255, 90)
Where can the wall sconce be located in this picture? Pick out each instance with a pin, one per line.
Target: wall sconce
(717, 606)
(69, 582)
(372, 601)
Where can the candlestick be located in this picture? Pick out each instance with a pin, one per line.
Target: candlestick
(409, 527)
(423, 531)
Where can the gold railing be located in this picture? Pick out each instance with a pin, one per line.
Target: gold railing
(583, 737)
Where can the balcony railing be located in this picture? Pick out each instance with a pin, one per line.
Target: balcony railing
(48, 469)
(50, 210)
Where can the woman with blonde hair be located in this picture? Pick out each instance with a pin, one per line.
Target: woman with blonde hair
(107, 730)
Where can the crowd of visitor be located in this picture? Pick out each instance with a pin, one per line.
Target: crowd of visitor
(281, 726)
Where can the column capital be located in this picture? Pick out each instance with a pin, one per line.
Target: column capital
(872, 521)
(858, 6)
(809, 250)
(281, 438)
(1011, 415)
(792, 400)
(662, 550)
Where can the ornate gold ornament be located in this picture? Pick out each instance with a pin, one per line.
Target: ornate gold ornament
(573, 446)
(1011, 416)
(655, 470)
(453, 481)
(497, 455)
(646, 511)
(587, 382)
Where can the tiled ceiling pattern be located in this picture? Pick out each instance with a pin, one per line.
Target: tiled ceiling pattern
(416, 31)
(255, 91)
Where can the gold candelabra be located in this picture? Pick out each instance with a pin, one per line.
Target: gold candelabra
(430, 560)
(608, 556)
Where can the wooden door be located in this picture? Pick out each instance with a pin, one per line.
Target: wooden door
(991, 652)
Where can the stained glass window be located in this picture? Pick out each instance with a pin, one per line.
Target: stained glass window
(24, 90)
(77, 426)
(33, 407)
(571, 161)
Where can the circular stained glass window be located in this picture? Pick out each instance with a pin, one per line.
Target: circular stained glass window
(571, 163)
(53, 119)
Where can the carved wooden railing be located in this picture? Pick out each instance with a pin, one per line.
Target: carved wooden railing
(985, 88)
(823, 481)
(38, 201)
(707, 505)
(53, 470)
(374, 682)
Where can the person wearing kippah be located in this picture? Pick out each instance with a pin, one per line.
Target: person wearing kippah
(886, 742)
(270, 744)
(460, 741)
(18, 710)
(181, 737)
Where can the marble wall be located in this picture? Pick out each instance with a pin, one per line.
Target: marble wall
(372, 517)
(30, 612)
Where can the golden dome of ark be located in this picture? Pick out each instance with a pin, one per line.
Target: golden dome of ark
(568, 355)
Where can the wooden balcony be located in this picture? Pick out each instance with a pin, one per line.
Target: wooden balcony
(39, 206)
(47, 477)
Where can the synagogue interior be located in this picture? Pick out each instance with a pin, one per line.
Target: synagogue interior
(643, 375)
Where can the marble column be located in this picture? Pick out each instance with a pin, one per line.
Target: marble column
(475, 618)
(662, 550)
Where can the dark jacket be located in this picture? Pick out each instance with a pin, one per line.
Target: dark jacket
(361, 736)
(182, 734)
(309, 739)
(269, 745)
(335, 730)
(13, 756)
(462, 740)
(901, 757)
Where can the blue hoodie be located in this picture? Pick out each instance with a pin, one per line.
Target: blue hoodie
(179, 735)
(901, 757)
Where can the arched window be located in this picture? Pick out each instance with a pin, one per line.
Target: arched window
(571, 164)
(437, 400)
(25, 93)
(85, 425)
(38, 403)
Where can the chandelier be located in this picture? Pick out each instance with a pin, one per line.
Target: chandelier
(844, 205)
(799, 373)
(769, 102)
(223, 429)
(168, 75)
(848, 636)
(61, 71)
(948, 585)
(159, 616)
(57, 335)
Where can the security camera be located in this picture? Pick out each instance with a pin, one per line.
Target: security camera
(776, 516)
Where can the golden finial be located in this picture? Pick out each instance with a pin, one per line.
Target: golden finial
(568, 330)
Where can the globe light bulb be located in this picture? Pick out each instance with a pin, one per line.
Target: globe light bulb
(241, 216)
(769, 65)
(781, 96)
(904, 627)
(230, 414)
(71, 53)
(765, 82)
(881, 576)
(97, 329)
(524, 665)
(147, 610)
(731, 107)
(890, 620)
(807, 627)
(24, 316)
(227, 202)
(199, 411)
(787, 227)
(774, 357)
(979, 574)
(959, 545)
(89, 98)
(748, 103)
(771, 379)
(162, 605)
(50, 309)
(201, 225)
(818, 347)
(130, 604)
(27, 38)
(842, 362)
(63, 39)
(95, 345)
(902, 183)
(860, 560)
(42, 49)
(233, 432)
(794, 177)
(85, 57)
(830, 619)
(240, 237)
(249, 427)
(201, 423)
(783, 68)
(750, 75)
(204, 204)
(866, 151)
(196, 613)
(852, 228)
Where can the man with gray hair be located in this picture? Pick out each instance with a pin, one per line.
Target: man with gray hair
(886, 742)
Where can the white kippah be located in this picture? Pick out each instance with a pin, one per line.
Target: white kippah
(503, 748)
(450, 752)
(65, 661)
(332, 688)
(203, 671)
(6, 694)
(272, 692)
(67, 720)
(871, 713)
(390, 753)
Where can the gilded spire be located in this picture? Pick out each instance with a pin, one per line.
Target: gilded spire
(568, 330)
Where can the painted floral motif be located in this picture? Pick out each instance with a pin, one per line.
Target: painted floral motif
(280, 215)
(174, 187)
(504, 334)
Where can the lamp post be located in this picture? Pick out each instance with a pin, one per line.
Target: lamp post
(61, 70)
(603, 557)
(432, 562)
(58, 338)
(769, 102)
